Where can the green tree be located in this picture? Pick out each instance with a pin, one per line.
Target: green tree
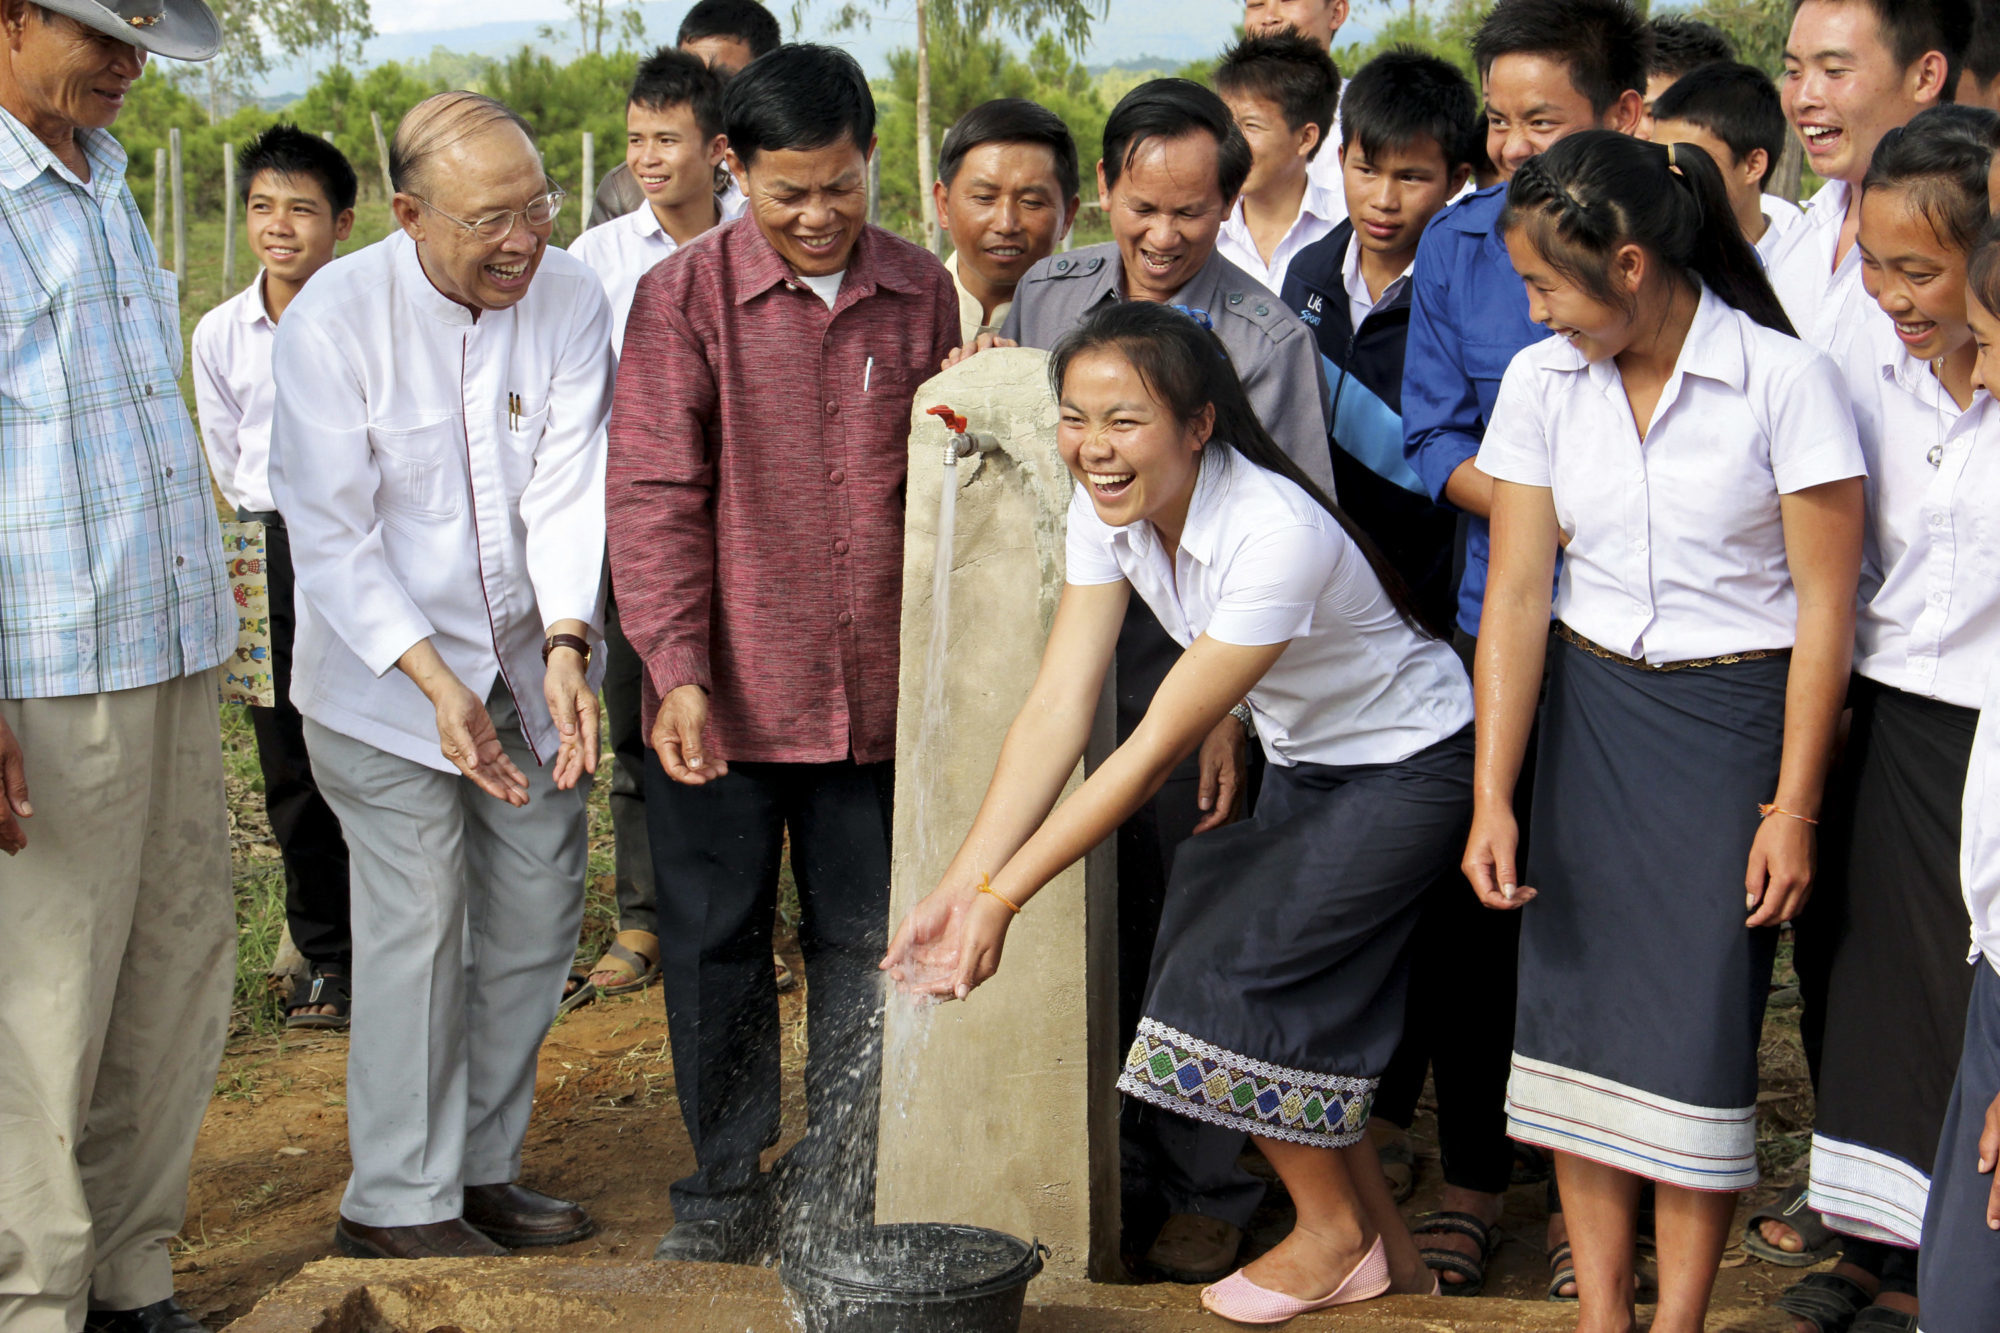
(230, 79)
(305, 28)
(1758, 27)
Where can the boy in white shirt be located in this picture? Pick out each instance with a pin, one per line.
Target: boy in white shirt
(1281, 90)
(1732, 113)
(298, 204)
(673, 144)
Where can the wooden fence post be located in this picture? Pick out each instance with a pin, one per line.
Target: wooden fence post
(159, 202)
(382, 153)
(875, 189)
(180, 205)
(228, 219)
(589, 195)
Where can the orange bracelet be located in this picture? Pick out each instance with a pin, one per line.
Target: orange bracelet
(1766, 811)
(986, 886)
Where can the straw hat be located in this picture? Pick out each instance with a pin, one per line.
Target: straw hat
(177, 29)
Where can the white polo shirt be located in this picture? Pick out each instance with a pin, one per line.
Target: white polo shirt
(1320, 211)
(233, 396)
(1979, 843)
(1260, 562)
(1929, 622)
(1781, 218)
(622, 250)
(1826, 304)
(1676, 546)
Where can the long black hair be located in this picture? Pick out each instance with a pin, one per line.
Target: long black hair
(1186, 368)
(1941, 158)
(1597, 190)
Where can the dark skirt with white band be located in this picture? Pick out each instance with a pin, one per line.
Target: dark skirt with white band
(1898, 983)
(1641, 989)
(1279, 978)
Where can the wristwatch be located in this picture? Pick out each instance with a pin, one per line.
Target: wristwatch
(555, 641)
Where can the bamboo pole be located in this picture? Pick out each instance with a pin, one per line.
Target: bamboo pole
(228, 218)
(382, 154)
(180, 205)
(159, 202)
(589, 194)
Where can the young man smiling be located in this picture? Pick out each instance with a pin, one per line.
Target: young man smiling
(1006, 193)
(1281, 89)
(1317, 21)
(755, 499)
(1854, 70)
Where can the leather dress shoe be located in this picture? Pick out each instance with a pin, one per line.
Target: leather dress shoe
(165, 1316)
(1192, 1248)
(718, 1240)
(450, 1239)
(515, 1216)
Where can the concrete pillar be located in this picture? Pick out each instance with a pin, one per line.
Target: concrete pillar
(1000, 1111)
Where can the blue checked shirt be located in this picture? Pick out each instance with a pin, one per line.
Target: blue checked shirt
(111, 573)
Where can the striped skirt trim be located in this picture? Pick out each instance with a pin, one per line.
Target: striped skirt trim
(1694, 1147)
(1191, 1077)
(1866, 1193)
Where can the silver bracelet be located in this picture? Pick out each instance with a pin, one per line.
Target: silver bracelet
(1242, 714)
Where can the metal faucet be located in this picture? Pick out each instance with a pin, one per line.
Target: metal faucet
(961, 442)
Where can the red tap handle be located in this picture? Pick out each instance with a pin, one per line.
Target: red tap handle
(953, 422)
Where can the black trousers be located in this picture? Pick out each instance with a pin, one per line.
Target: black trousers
(306, 829)
(1459, 1027)
(717, 849)
(632, 855)
(1171, 1164)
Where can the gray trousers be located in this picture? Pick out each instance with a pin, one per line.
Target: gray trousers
(465, 916)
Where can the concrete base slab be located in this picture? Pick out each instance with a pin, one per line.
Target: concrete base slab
(515, 1294)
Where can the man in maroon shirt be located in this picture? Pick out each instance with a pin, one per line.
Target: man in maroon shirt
(755, 504)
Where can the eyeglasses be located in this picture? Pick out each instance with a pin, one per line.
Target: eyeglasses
(540, 212)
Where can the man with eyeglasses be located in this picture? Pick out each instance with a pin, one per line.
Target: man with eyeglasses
(437, 449)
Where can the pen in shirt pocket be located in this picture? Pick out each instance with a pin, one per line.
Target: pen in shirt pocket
(513, 411)
(867, 374)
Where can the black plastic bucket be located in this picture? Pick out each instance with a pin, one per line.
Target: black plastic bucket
(915, 1277)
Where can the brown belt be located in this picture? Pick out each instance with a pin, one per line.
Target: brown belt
(1575, 640)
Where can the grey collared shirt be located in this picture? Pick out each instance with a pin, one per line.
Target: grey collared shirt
(1273, 352)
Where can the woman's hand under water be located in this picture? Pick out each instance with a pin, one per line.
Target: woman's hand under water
(948, 944)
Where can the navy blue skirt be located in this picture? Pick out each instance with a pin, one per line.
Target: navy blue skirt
(1279, 977)
(1642, 992)
(1959, 1281)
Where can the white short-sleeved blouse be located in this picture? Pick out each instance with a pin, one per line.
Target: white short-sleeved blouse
(1676, 545)
(1260, 562)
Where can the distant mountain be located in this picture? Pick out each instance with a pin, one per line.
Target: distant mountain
(1160, 34)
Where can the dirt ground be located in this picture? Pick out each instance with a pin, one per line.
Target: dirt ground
(272, 1157)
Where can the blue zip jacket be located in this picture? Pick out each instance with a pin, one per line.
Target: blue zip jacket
(1364, 376)
(1468, 317)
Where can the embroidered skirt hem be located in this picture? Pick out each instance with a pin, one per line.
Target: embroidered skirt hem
(1191, 1077)
(1694, 1147)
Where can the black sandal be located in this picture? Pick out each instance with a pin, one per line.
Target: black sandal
(1472, 1271)
(326, 988)
(1562, 1273)
(1790, 1210)
(1828, 1301)
(1881, 1319)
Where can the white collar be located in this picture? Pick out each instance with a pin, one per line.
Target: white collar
(1350, 273)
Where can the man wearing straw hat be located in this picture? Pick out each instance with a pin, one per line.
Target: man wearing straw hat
(117, 942)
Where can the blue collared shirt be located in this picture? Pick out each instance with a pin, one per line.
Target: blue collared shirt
(111, 573)
(1468, 319)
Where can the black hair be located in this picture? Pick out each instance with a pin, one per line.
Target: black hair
(1596, 190)
(1404, 95)
(1168, 109)
(671, 77)
(1738, 104)
(1915, 28)
(801, 96)
(1186, 368)
(1682, 45)
(1289, 69)
(1982, 273)
(1011, 120)
(1982, 50)
(745, 20)
(287, 150)
(1605, 43)
(1941, 158)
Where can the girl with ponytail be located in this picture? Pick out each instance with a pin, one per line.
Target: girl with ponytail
(1276, 993)
(1698, 469)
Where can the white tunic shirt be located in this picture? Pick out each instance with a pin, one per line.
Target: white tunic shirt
(1676, 545)
(1260, 563)
(233, 396)
(1929, 622)
(442, 478)
(1979, 841)
(1826, 304)
(622, 250)
(1320, 211)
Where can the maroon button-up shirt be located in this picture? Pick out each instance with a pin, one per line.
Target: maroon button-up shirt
(754, 495)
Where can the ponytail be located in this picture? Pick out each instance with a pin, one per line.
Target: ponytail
(1596, 190)
(1186, 368)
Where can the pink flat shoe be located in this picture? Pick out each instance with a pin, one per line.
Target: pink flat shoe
(1239, 1299)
